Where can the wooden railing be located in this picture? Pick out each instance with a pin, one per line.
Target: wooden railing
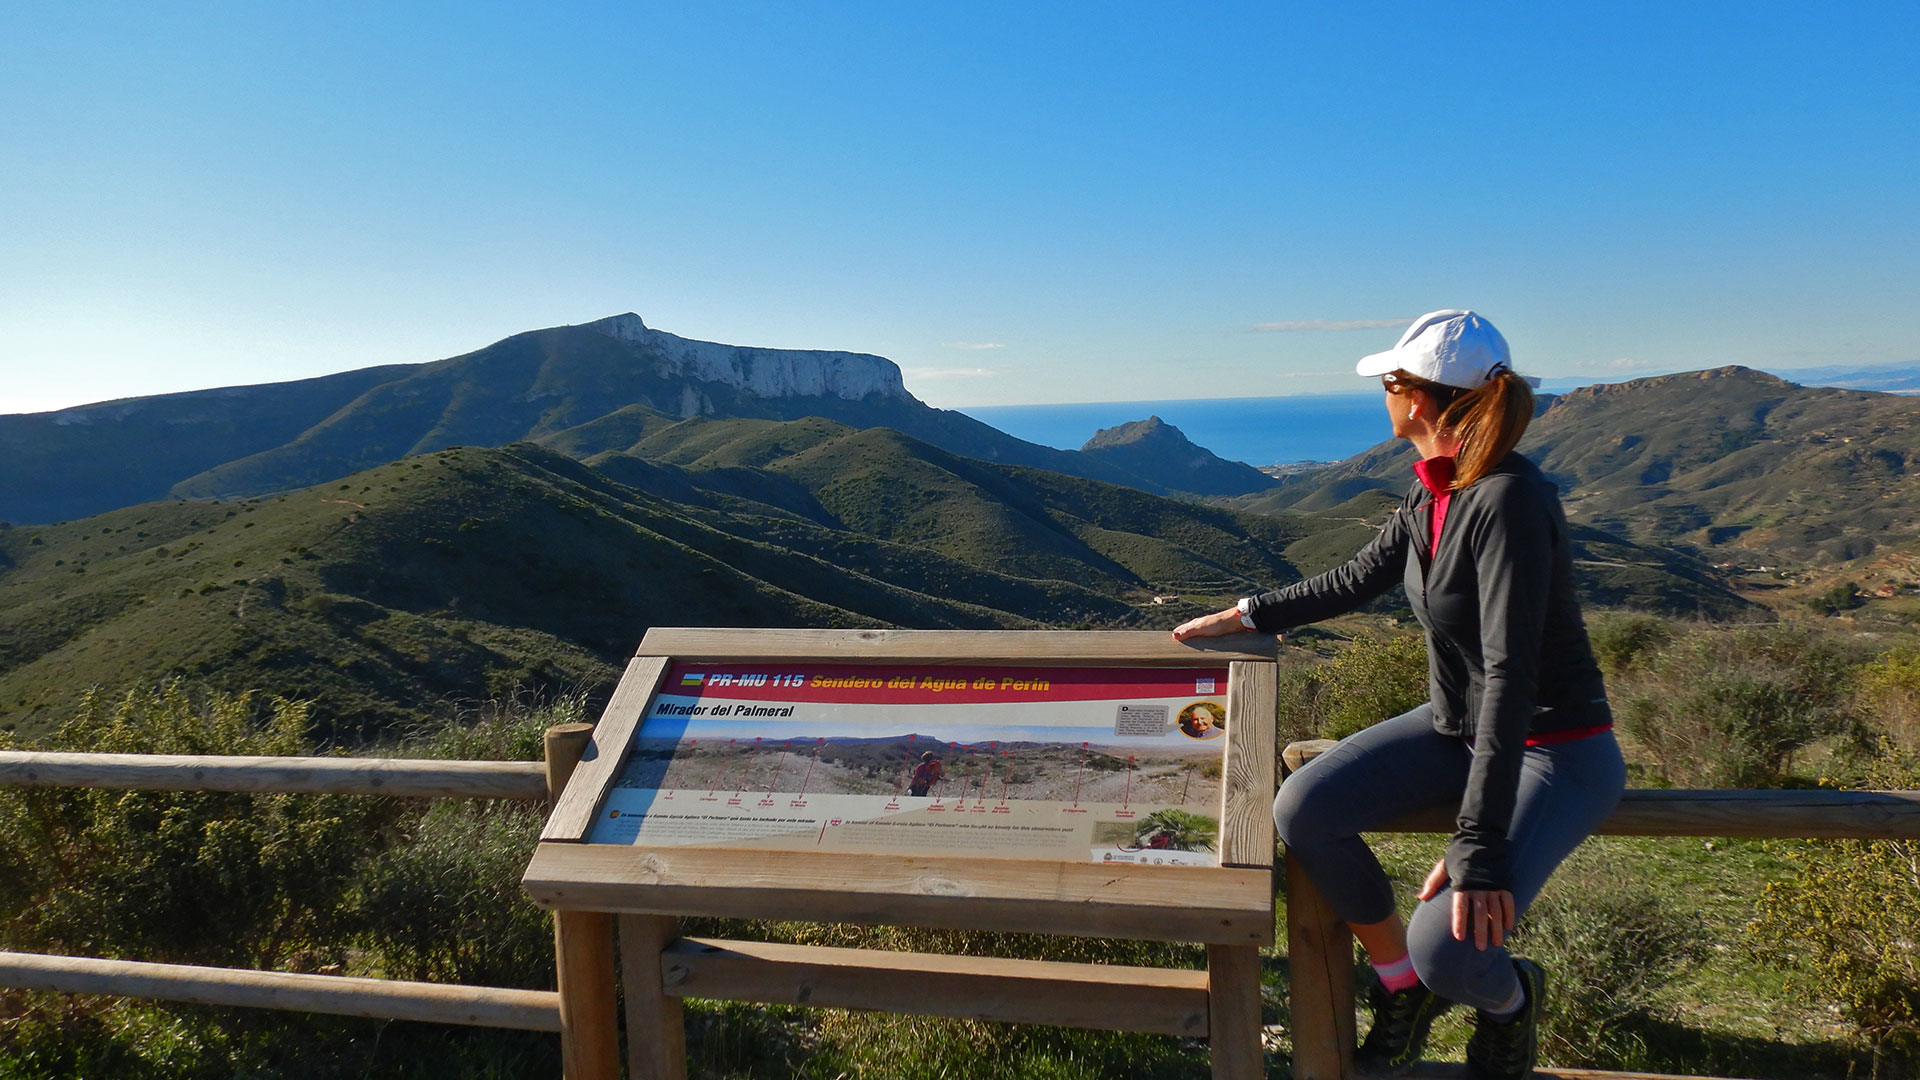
(1320, 948)
(386, 999)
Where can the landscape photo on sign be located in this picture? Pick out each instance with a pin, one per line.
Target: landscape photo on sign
(1079, 764)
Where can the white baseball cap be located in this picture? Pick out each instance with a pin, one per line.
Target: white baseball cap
(1454, 347)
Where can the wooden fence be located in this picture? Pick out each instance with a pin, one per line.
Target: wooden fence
(386, 999)
(1319, 946)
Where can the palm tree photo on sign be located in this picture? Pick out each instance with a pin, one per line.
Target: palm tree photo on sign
(1175, 830)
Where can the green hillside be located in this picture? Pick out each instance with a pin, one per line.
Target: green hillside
(76, 462)
(469, 571)
(462, 573)
(1741, 465)
(1023, 522)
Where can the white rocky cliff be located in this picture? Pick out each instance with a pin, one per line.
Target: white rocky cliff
(763, 372)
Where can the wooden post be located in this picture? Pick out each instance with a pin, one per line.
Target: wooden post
(1233, 1012)
(656, 1028)
(1319, 962)
(582, 948)
(1246, 840)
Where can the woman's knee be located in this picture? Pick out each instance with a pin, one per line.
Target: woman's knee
(1455, 970)
(1304, 812)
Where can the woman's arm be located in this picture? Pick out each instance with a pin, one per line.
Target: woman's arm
(1377, 567)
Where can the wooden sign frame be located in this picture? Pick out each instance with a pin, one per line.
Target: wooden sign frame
(1228, 907)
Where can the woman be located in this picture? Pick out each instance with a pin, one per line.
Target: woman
(1517, 733)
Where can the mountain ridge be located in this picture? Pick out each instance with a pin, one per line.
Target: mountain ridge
(586, 388)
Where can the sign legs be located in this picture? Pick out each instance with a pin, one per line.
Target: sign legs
(589, 1027)
(1233, 1007)
(656, 1029)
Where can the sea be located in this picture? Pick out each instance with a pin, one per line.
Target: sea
(1258, 431)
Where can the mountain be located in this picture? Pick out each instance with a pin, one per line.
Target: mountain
(1730, 463)
(598, 387)
(467, 572)
(80, 461)
(1160, 452)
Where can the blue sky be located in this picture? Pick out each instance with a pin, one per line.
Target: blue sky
(1017, 203)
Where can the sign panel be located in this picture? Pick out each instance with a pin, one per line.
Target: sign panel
(1075, 764)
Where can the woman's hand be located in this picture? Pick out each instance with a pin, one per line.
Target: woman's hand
(1486, 913)
(1215, 625)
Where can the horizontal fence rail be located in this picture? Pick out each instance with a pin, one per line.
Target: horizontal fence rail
(1163, 1001)
(383, 999)
(410, 777)
(1459, 1072)
(1818, 814)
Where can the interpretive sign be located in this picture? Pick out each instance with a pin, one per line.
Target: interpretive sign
(1101, 764)
(1105, 784)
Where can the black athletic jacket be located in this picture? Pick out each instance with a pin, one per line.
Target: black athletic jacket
(1507, 652)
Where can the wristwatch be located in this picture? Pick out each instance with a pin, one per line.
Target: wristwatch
(1246, 612)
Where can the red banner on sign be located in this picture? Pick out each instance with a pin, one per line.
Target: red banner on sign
(899, 685)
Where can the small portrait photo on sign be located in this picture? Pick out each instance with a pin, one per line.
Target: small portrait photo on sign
(1203, 720)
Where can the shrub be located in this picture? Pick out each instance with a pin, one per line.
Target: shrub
(511, 727)
(253, 880)
(1851, 914)
(365, 885)
(1887, 691)
(1728, 708)
(444, 903)
(1621, 638)
(1842, 597)
(1369, 681)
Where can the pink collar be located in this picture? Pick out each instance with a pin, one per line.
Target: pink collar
(1436, 475)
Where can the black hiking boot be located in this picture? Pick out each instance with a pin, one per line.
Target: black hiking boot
(1401, 1019)
(1507, 1050)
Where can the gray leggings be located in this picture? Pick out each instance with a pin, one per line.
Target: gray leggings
(1401, 765)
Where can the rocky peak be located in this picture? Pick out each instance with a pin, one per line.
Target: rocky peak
(1151, 430)
(771, 373)
(1162, 453)
(627, 327)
